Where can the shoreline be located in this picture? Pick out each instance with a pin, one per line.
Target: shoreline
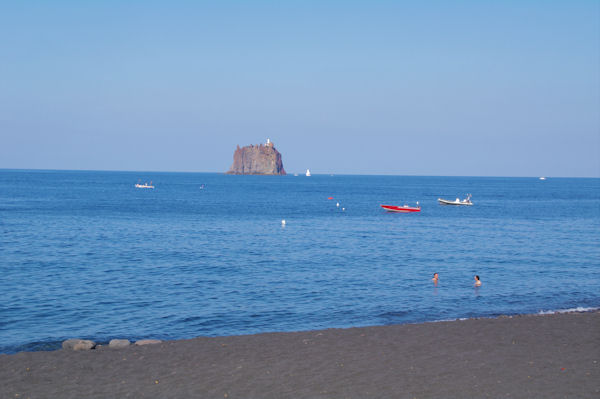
(519, 356)
(57, 345)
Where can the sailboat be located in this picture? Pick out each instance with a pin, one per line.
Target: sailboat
(308, 172)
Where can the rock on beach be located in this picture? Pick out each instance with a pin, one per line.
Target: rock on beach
(148, 342)
(118, 343)
(77, 344)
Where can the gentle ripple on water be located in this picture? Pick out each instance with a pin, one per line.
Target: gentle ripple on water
(84, 254)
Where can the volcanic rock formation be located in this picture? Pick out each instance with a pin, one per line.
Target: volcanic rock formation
(262, 159)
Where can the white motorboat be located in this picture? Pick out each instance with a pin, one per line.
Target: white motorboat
(145, 185)
(466, 201)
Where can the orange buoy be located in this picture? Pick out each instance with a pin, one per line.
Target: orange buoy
(330, 198)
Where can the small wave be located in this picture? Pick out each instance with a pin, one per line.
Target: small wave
(571, 310)
(446, 320)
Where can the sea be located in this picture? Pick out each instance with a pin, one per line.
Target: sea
(86, 254)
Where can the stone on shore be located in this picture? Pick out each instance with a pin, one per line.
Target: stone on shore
(148, 341)
(118, 343)
(77, 344)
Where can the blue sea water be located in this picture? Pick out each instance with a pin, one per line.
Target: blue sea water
(86, 254)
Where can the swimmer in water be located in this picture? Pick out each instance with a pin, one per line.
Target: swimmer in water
(435, 278)
(477, 281)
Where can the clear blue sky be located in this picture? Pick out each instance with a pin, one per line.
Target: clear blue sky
(477, 88)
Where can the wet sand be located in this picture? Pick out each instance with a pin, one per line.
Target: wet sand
(551, 356)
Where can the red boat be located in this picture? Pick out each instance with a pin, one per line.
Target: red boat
(401, 209)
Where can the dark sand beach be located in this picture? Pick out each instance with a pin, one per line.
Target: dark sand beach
(550, 356)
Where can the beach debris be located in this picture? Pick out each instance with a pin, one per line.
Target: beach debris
(148, 341)
(118, 343)
(77, 344)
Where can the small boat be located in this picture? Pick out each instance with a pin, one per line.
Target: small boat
(542, 178)
(466, 201)
(308, 172)
(402, 209)
(145, 185)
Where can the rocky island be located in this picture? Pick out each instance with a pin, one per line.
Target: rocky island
(262, 159)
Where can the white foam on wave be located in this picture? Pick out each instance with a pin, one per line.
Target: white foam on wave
(445, 320)
(577, 309)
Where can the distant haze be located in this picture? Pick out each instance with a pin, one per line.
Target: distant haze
(480, 88)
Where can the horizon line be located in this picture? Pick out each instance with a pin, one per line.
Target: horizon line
(291, 174)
